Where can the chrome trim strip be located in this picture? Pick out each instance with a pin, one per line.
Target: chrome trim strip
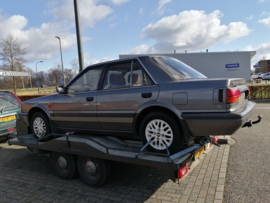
(129, 87)
(6, 115)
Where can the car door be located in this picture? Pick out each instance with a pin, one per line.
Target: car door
(76, 109)
(125, 88)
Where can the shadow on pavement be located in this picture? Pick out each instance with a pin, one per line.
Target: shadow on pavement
(32, 177)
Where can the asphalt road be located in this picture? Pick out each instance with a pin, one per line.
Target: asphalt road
(248, 173)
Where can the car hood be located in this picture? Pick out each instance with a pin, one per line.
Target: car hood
(40, 99)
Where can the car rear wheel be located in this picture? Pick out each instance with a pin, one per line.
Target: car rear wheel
(40, 125)
(163, 130)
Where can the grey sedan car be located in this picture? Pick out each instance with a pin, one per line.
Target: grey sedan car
(157, 99)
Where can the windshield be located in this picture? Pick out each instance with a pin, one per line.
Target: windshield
(178, 70)
(8, 100)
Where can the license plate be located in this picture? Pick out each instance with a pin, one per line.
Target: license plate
(9, 118)
(198, 153)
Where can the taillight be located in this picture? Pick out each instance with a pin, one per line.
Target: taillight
(16, 97)
(215, 139)
(233, 95)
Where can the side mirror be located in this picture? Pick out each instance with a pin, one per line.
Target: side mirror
(60, 89)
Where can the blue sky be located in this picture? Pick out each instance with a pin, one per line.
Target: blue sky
(113, 27)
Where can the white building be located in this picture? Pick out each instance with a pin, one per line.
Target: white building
(214, 64)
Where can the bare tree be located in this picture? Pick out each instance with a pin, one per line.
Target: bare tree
(12, 53)
(68, 75)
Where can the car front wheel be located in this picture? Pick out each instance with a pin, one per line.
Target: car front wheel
(164, 132)
(40, 125)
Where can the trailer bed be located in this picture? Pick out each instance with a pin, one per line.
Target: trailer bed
(107, 148)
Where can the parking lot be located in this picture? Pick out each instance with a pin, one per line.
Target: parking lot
(28, 177)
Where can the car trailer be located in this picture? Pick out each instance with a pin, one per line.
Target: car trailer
(90, 155)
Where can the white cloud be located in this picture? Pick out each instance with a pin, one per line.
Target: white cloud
(161, 4)
(118, 2)
(189, 30)
(262, 52)
(88, 61)
(142, 11)
(94, 61)
(262, 1)
(250, 17)
(40, 41)
(90, 12)
(265, 21)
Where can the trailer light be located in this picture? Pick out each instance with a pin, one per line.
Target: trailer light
(233, 95)
(215, 139)
(182, 171)
(10, 129)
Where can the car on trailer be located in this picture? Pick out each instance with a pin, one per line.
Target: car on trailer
(157, 99)
(10, 106)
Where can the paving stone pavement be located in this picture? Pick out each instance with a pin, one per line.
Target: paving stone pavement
(28, 177)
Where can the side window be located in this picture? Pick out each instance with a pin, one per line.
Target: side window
(115, 76)
(125, 75)
(86, 82)
(139, 76)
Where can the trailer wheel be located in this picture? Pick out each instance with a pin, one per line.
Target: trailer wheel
(93, 172)
(163, 130)
(64, 165)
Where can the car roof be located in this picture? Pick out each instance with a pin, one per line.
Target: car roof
(124, 59)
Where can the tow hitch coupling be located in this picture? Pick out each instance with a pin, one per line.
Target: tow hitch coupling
(250, 123)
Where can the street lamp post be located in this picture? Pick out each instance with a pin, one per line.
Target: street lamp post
(61, 60)
(37, 74)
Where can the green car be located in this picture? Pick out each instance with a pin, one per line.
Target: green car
(10, 106)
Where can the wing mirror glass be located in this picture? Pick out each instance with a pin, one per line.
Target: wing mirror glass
(60, 89)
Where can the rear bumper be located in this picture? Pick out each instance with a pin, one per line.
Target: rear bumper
(7, 128)
(202, 124)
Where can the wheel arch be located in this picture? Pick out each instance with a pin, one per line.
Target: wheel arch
(42, 109)
(143, 111)
(38, 108)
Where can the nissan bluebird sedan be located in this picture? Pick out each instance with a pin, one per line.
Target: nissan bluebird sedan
(153, 98)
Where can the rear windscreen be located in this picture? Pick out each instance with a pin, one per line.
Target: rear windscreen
(177, 69)
(8, 100)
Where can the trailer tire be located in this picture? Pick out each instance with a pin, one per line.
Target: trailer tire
(93, 172)
(64, 165)
(161, 127)
(41, 124)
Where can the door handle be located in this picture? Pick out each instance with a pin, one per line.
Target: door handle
(147, 95)
(89, 98)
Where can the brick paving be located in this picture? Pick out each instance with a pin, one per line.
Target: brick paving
(28, 177)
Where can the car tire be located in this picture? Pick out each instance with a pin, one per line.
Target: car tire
(40, 125)
(93, 172)
(64, 165)
(164, 130)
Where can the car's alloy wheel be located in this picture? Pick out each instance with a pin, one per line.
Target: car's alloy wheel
(164, 131)
(160, 133)
(40, 125)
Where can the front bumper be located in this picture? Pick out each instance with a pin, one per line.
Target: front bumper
(202, 124)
